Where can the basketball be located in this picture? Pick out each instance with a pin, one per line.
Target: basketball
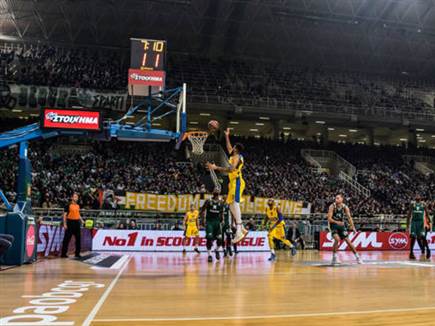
(213, 125)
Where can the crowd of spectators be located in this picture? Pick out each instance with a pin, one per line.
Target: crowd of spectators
(220, 80)
(52, 66)
(273, 169)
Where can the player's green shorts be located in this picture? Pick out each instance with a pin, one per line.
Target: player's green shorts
(417, 228)
(340, 230)
(213, 230)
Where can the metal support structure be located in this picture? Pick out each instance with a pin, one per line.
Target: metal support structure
(140, 132)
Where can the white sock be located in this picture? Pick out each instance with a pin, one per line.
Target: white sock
(237, 214)
(272, 251)
(209, 252)
(356, 255)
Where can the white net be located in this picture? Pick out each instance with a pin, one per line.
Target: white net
(197, 139)
(214, 177)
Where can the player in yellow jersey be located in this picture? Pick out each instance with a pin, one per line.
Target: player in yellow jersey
(191, 228)
(236, 184)
(276, 228)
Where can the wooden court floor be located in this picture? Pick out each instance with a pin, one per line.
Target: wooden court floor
(172, 289)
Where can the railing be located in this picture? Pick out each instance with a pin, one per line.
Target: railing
(291, 106)
(308, 224)
(355, 185)
(421, 163)
(305, 153)
(423, 168)
(55, 215)
(315, 154)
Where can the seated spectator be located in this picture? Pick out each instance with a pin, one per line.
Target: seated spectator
(176, 226)
(6, 241)
(132, 225)
(251, 225)
(121, 226)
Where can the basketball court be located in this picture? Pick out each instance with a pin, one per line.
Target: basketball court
(172, 289)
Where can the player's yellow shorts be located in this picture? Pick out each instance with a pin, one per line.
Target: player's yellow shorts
(191, 231)
(235, 191)
(278, 232)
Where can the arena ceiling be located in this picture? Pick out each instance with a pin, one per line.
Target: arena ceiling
(374, 35)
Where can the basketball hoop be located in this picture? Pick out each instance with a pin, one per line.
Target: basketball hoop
(197, 139)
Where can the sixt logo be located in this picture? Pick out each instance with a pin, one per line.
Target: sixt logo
(70, 119)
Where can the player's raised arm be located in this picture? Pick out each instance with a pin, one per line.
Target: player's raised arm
(350, 219)
(228, 141)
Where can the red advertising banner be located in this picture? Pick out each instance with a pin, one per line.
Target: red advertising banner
(146, 77)
(50, 240)
(368, 241)
(71, 119)
(140, 240)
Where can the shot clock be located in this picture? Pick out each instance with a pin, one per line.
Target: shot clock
(148, 54)
(147, 66)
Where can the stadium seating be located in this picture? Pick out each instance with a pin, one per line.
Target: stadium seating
(274, 169)
(222, 81)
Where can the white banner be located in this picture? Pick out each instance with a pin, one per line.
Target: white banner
(132, 240)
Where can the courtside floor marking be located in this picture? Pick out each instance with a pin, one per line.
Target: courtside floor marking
(106, 293)
(320, 314)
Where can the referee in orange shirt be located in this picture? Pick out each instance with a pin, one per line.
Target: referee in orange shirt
(72, 222)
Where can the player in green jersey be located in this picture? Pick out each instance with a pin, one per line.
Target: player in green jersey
(212, 213)
(338, 218)
(415, 226)
(228, 231)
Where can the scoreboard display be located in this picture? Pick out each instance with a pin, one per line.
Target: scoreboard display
(148, 54)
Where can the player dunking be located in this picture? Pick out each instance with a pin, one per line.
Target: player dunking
(236, 184)
(337, 213)
(212, 213)
(276, 228)
(191, 228)
(415, 225)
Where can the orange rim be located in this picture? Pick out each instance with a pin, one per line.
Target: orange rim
(199, 134)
